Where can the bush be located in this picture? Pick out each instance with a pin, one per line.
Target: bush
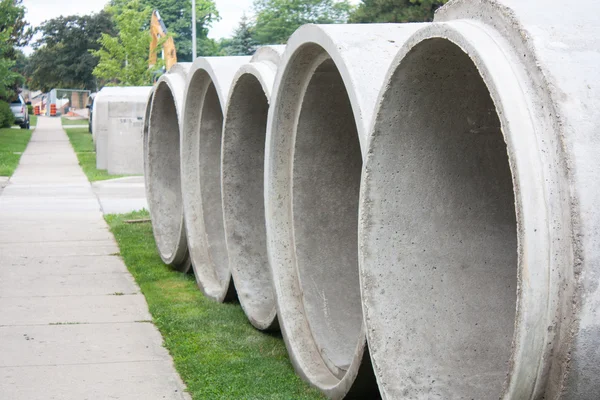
(6, 116)
(30, 109)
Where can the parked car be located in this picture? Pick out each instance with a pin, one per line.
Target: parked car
(19, 110)
(90, 106)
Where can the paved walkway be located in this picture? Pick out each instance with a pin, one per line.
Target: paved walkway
(73, 324)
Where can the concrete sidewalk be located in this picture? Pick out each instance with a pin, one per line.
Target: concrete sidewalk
(73, 324)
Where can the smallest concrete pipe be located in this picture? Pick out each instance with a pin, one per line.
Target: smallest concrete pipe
(242, 169)
(124, 142)
(205, 99)
(163, 177)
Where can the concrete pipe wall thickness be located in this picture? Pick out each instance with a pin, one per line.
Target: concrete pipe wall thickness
(322, 106)
(163, 176)
(244, 134)
(206, 93)
(479, 225)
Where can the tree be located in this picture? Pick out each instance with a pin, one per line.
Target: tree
(12, 22)
(242, 43)
(13, 32)
(123, 58)
(62, 57)
(396, 10)
(177, 16)
(276, 20)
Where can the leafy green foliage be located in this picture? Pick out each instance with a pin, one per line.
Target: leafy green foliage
(242, 43)
(12, 145)
(62, 58)
(276, 20)
(13, 32)
(177, 16)
(6, 116)
(123, 58)
(396, 10)
(216, 351)
(12, 21)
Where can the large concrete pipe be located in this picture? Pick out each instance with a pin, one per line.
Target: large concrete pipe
(163, 177)
(479, 225)
(242, 169)
(205, 100)
(112, 105)
(322, 106)
(124, 141)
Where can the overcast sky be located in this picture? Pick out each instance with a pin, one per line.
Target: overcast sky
(39, 11)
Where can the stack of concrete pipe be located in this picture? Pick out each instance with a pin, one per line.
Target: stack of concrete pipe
(415, 206)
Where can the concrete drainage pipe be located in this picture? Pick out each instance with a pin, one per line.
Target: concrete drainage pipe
(464, 297)
(244, 134)
(163, 178)
(205, 99)
(322, 105)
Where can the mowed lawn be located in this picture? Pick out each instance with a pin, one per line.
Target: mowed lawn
(12, 145)
(82, 143)
(67, 121)
(217, 352)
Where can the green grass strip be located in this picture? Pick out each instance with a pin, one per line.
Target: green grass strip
(67, 121)
(82, 143)
(217, 352)
(12, 145)
(33, 120)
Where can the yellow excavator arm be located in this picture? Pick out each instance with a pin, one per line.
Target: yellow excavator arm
(158, 30)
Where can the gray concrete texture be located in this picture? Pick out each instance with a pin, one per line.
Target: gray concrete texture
(478, 219)
(322, 106)
(64, 334)
(162, 163)
(117, 129)
(206, 94)
(428, 189)
(244, 133)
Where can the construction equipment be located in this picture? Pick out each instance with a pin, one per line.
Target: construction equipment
(158, 30)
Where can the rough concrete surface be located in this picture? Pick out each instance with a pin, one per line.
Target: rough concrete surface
(494, 191)
(73, 324)
(322, 106)
(242, 169)
(162, 163)
(205, 97)
(117, 128)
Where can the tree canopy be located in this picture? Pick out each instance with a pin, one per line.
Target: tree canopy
(62, 55)
(177, 16)
(123, 57)
(276, 20)
(242, 43)
(395, 11)
(14, 31)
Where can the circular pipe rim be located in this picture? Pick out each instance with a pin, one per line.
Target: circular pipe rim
(217, 71)
(178, 255)
(532, 340)
(302, 350)
(263, 70)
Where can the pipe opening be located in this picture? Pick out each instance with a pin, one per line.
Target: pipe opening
(326, 179)
(211, 126)
(243, 192)
(441, 263)
(163, 170)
